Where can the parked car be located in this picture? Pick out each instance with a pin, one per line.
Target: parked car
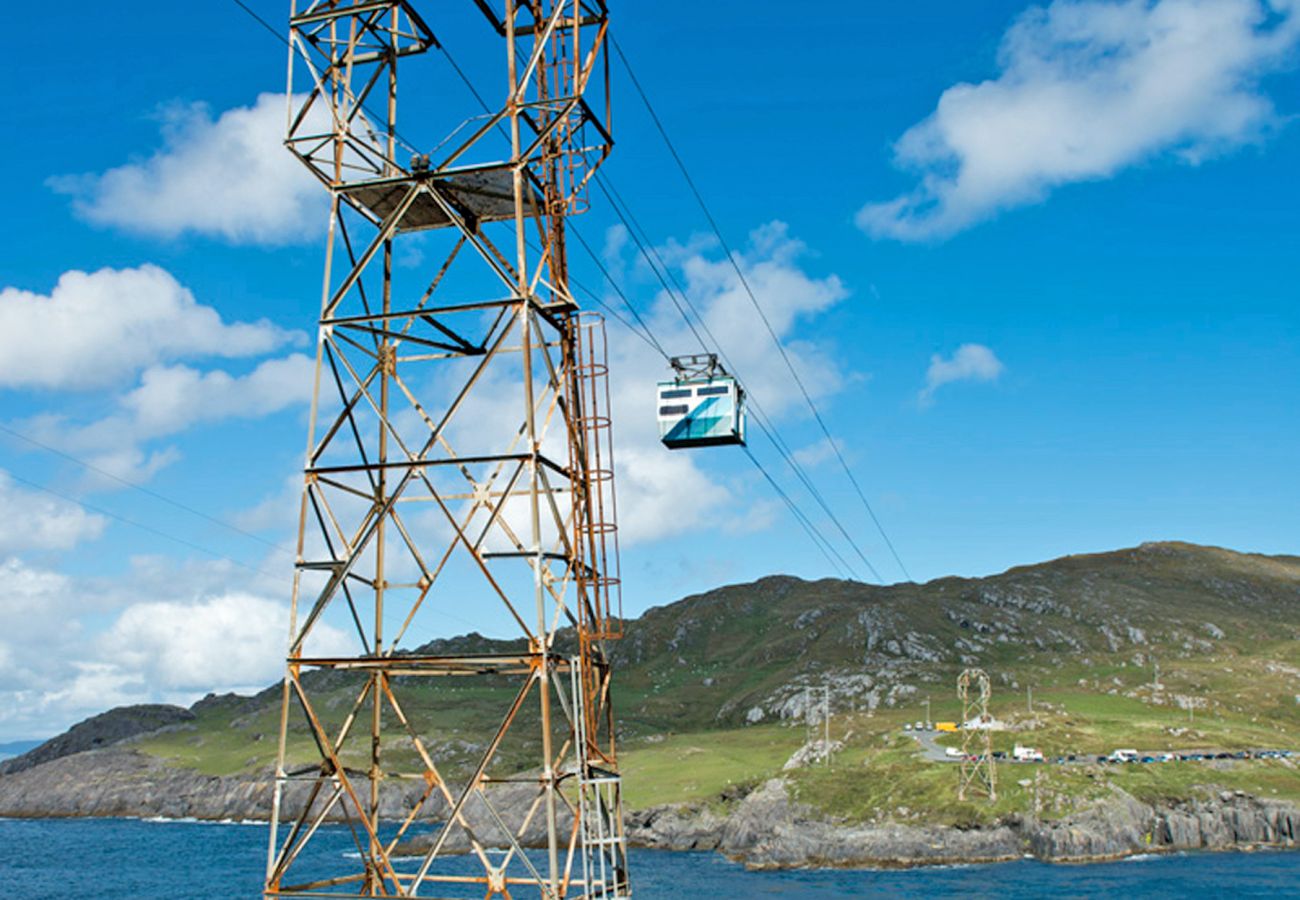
(1026, 754)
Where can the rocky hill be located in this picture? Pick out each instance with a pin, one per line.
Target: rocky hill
(100, 731)
(715, 676)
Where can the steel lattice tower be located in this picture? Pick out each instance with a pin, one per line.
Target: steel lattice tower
(459, 458)
(977, 772)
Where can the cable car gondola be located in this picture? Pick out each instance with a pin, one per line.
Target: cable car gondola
(702, 406)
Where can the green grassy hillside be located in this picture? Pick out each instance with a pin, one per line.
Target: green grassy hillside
(711, 688)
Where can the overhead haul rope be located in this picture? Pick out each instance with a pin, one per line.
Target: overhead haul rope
(713, 224)
(648, 336)
(768, 427)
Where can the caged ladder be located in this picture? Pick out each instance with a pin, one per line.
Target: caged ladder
(604, 845)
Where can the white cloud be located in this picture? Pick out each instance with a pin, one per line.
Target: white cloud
(971, 362)
(169, 400)
(175, 632)
(663, 493)
(234, 640)
(34, 521)
(228, 177)
(1087, 89)
(102, 326)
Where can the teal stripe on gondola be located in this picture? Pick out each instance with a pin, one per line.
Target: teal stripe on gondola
(689, 426)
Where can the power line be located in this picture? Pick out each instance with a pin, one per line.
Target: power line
(650, 338)
(665, 275)
(139, 487)
(143, 527)
(648, 335)
(731, 257)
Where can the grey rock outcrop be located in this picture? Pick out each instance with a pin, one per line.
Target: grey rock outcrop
(768, 830)
(764, 829)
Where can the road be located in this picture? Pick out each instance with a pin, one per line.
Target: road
(929, 749)
(932, 752)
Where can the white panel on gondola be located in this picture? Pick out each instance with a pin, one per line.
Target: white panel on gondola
(702, 407)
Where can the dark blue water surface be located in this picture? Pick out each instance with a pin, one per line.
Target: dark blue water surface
(126, 858)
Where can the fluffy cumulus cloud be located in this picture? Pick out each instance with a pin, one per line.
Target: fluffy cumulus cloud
(35, 521)
(96, 328)
(1086, 89)
(236, 640)
(175, 631)
(970, 362)
(227, 177)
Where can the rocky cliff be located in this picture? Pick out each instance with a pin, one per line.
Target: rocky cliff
(765, 829)
(768, 830)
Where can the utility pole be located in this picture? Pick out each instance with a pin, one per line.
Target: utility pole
(1029, 698)
(926, 704)
(826, 722)
(459, 456)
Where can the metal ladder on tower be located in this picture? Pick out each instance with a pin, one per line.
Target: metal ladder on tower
(604, 845)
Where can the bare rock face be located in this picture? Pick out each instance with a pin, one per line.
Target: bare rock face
(120, 782)
(1229, 821)
(675, 828)
(1118, 827)
(768, 830)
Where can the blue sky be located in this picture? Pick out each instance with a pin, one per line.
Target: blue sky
(1036, 263)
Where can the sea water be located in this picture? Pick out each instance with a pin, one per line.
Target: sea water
(107, 859)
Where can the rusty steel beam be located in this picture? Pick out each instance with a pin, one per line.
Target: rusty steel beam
(518, 504)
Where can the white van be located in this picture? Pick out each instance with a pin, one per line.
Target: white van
(1124, 756)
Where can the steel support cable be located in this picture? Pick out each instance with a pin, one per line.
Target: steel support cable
(803, 520)
(681, 165)
(143, 527)
(817, 538)
(674, 291)
(126, 482)
(625, 216)
(648, 336)
(665, 276)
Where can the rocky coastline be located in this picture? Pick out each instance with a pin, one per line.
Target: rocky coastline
(765, 829)
(768, 830)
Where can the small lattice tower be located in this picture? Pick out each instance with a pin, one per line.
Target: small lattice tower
(977, 774)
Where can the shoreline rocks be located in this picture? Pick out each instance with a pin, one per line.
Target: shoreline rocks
(768, 830)
(764, 830)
